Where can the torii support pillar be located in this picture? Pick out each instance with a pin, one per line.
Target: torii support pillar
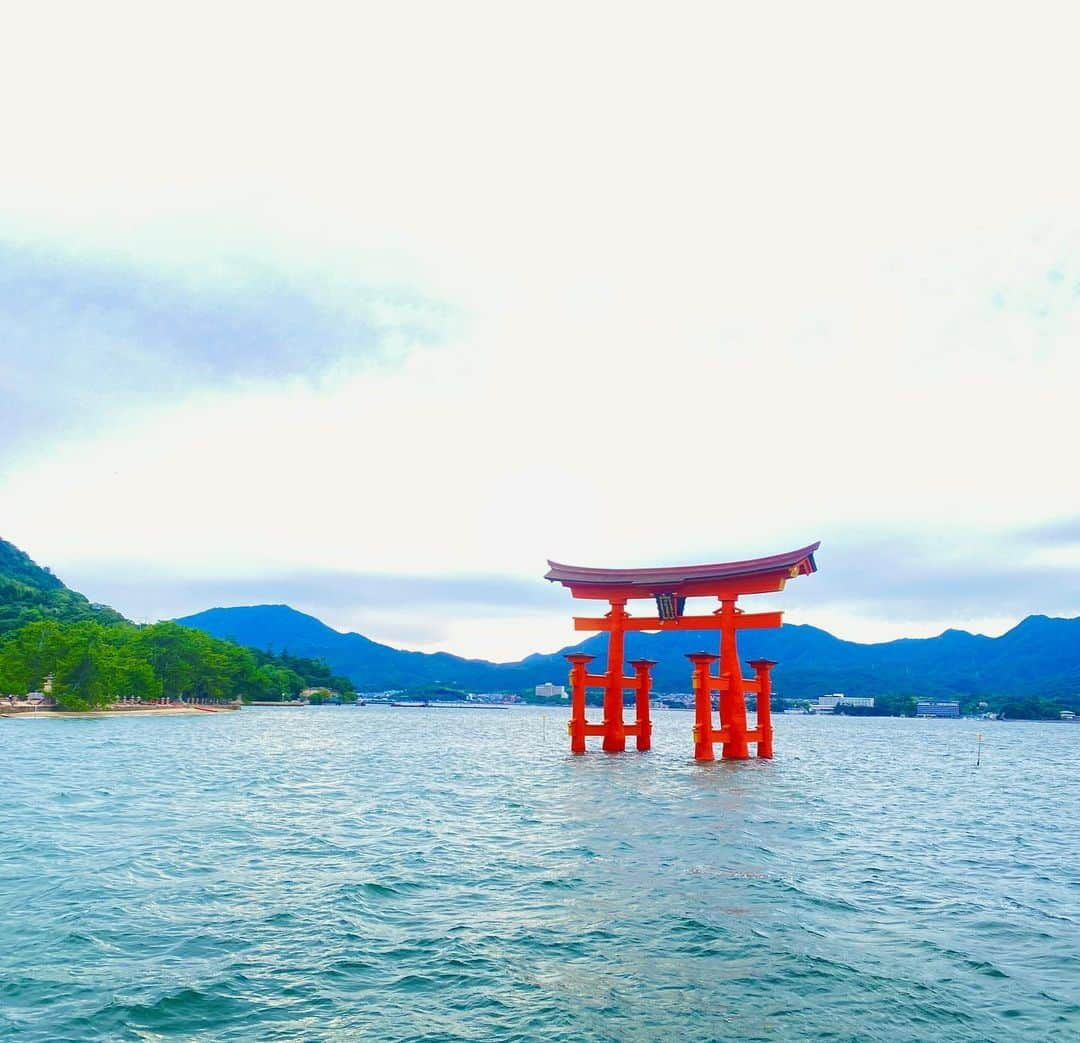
(613, 729)
(641, 702)
(733, 695)
(702, 683)
(764, 710)
(578, 667)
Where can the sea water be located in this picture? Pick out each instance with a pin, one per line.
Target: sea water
(367, 873)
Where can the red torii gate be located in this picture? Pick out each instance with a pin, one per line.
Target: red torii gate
(670, 587)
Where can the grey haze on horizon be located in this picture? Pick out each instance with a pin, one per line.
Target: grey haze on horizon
(883, 579)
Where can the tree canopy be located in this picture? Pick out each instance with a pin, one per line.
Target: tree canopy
(93, 664)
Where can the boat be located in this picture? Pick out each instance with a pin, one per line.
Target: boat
(411, 704)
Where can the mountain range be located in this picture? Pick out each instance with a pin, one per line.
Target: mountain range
(1040, 657)
(1037, 659)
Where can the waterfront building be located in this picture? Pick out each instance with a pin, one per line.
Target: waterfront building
(829, 703)
(547, 690)
(937, 709)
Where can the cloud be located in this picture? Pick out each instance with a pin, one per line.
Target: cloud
(413, 611)
(943, 576)
(84, 336)
(928, 583)
(1064, 532)
(711, 291)
(333, 593)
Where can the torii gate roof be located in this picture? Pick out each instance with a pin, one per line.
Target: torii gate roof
(756, 575)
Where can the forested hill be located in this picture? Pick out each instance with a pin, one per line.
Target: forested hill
(94, 656)
(372, 666)
(1040, 657)
(30, 593)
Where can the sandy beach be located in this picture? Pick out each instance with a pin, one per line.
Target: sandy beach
(24, 713)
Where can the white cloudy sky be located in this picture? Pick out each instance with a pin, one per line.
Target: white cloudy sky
(372, 309)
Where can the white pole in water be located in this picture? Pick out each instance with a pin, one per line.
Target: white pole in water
(978, 756)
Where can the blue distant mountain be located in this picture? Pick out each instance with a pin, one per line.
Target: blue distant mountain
(1038, 657)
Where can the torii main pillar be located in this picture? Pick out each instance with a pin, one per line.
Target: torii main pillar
(670, 588)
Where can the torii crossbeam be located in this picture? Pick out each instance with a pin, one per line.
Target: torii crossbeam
(670, 587)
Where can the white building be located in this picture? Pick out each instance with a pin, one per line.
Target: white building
(829, 703)
(551, 691)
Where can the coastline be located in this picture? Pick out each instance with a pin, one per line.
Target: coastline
(150, 711)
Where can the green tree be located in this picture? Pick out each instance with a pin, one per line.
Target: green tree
(278, 682)
(89, 676)
(93, 664)
(170, 650)
(31, 654)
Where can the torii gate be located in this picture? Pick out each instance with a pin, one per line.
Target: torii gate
(670, 587)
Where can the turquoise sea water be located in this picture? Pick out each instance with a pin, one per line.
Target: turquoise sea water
(369, 873)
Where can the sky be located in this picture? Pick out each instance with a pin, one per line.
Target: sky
(372, 309)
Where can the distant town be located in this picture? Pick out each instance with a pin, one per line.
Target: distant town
(548, 693)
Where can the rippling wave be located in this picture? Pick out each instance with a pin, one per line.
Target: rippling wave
(371, 874)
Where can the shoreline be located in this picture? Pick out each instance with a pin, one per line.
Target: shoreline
(15, 712)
